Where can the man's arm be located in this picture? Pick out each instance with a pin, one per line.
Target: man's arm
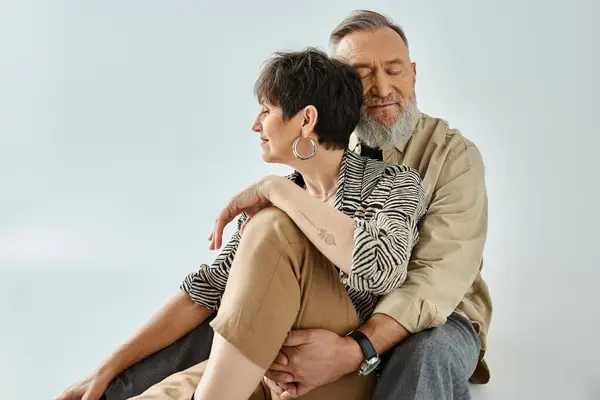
(443, 266)
(446, 259)
(448, 256)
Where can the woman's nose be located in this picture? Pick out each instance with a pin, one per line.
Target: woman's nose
(256, 126)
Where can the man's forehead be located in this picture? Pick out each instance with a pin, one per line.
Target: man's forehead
(363, 47)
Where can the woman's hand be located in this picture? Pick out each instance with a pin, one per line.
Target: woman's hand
(250, 200)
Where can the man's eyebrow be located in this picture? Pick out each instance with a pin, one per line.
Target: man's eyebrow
(395, 61)
(358, 65)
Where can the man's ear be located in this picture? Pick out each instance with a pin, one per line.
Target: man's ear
(309, 120)
(414, 68)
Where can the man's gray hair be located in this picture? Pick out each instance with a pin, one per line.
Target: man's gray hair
(363, 21)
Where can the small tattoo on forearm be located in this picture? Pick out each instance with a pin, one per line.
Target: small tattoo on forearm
(323, 234)
(328, 237)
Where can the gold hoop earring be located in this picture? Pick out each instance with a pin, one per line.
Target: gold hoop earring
(295, 149)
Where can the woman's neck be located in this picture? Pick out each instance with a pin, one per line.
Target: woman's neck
(321, 173)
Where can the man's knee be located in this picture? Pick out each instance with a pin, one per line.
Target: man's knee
(427, 364)
(437, 347)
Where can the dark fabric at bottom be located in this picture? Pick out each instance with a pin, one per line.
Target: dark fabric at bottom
(433, 364)
(191, 349)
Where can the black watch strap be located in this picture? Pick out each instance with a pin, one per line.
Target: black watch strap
(364, 343)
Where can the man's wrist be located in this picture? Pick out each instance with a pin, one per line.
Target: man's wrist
(352, 354)
(384, 332)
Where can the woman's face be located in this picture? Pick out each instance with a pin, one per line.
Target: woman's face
(277, 135)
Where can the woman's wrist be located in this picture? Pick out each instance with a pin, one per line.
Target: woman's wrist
(108, 370)
(269, 185)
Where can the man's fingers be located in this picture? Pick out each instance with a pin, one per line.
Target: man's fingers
(281, 358)
(273, 386)
(279, 388)
(288, 387)
(279, 367)
(291, 394)
(297, 391)
(279, 376)
(298, 338)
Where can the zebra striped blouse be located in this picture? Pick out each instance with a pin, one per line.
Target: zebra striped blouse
(386, 202)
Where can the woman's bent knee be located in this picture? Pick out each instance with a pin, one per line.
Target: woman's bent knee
(274, 225)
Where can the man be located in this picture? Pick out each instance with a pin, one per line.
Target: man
(431, 332)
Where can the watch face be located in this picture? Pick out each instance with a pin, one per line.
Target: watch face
(369, 365)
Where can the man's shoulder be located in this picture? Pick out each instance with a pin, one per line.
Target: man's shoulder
(433, 134)
(438, 131)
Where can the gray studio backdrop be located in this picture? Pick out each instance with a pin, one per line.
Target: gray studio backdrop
(125, 125)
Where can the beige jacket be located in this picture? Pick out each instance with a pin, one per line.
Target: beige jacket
(444, 274)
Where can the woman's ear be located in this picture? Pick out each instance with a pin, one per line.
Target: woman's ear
(309, 120)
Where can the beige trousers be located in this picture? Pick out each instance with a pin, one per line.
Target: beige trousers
(278, 281)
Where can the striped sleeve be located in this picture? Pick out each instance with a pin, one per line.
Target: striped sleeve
(385, 231)
(207, 285)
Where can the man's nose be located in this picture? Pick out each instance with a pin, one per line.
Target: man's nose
(381, 85)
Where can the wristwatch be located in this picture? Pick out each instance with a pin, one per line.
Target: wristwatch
(372, 359)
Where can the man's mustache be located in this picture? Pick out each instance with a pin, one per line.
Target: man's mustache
(375, 100)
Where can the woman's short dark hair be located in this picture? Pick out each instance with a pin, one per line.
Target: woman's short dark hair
(296, 79)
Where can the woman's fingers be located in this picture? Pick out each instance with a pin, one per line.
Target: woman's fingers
(219, 226)
(211, 244)
(225, 217)
(239, 203)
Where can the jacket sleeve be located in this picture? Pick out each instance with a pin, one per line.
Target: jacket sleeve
(207, 285)
(448, 256)
(385, 231)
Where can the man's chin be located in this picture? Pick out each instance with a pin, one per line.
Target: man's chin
(385, 120)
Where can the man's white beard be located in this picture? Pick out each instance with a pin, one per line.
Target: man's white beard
(376, 135)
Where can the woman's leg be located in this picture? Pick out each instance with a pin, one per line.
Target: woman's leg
(182, 385)
(278, 281)
(229, 375)
(191, 349)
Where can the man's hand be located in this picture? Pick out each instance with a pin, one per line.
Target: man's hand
(90, 388)
(312, 358)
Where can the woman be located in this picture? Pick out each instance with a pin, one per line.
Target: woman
(315, 249)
